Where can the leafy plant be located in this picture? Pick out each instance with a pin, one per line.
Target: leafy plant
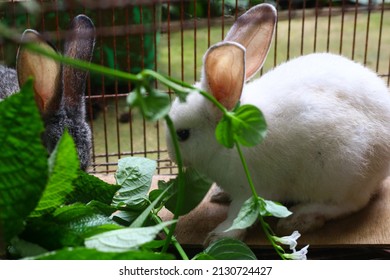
(42, 197)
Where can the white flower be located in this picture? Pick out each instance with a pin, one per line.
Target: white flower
(297, 255)
(289, 240)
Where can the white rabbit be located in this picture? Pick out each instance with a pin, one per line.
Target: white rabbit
(327, 148)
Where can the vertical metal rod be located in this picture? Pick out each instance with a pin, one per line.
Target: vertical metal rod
(223, 20)
(315, 26)
(195, 42)
(329, 25)
(354, 30)
(104, 101)
(303, 27)
(342, 27)
(116, 99)
(154, 7)
(276, 40)
(182, 37)
(388, 74)
(289, 28)
(128, 64)
(208, 22)
(171, 170)
(380, 37)
(367, 32)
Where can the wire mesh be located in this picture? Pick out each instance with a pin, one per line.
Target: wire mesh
(171, 37)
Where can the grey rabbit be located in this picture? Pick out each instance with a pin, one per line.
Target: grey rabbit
(59, 89)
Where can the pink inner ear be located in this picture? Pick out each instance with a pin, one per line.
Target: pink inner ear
(45, 71)
(225, 72)
(254, 30)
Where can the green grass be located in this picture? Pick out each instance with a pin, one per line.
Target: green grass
(190, 57)
(184, 58)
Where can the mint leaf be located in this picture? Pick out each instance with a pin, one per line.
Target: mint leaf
(84, 220)
(63, 166)
(227, 249)
(224, 132)
(127, 239)
(145, 214)
(247, 216)
(134, 175)
(196, 187)
(88, 188)
(271, 208)
(246, 125)
(81, 253)
(23, 160)
(249, 125)
(154, 105)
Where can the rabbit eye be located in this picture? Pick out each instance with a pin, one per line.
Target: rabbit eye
(183, 134)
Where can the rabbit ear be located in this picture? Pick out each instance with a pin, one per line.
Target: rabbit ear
(46, 72)
(78, 45)
(224, 71)
(254, 30)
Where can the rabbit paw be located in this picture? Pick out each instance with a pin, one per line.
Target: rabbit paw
(214, 236)
(303, 222)
(220, 197)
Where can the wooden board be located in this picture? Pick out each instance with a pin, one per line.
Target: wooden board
(368, 227)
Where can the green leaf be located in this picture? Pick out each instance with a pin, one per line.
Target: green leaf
(246, 125)
(127, 239)
(271, 208)
(247, 216)
(134, 175)
(183, 93)
(67, 226)
(49, 234)
(224, 132)
(145, 214)
(249, 125)
(227, 249)
(23, 160)
(88, 187)
(153, 104)
(63, 166)
(196, 187)
(105, 209)
(125, 217)
(81, 253)
(83, 220)
(20, 248)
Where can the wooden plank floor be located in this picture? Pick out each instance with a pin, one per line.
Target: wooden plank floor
(366, 229)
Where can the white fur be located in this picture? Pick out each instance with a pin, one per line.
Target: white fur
(327, 148)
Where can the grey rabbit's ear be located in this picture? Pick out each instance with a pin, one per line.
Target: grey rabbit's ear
(254, 30)
(46, 72)
(78, 45)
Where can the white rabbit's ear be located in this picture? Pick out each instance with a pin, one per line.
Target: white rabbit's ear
(224, 71)
(254, 30)
(46, 72)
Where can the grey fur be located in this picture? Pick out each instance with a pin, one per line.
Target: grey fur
(8, 82)
(67, 106)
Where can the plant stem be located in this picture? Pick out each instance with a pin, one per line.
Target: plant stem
(180, 195)
(84, 65)
(246, 169)
(178, 85)
(265, 227)
(263, 223)
(175, 243)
